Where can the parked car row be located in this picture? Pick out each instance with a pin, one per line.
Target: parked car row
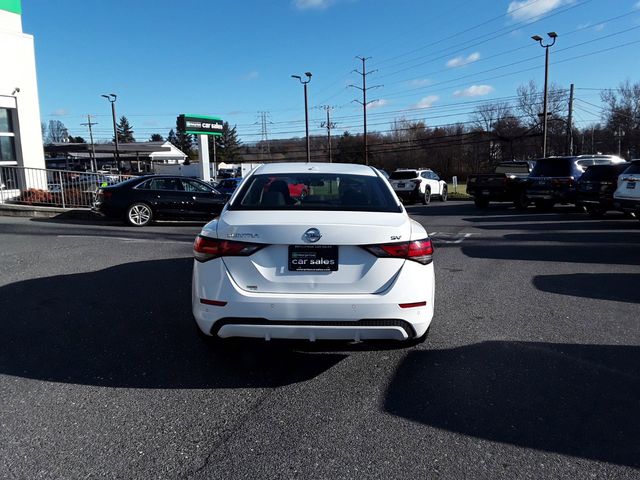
(597, 183)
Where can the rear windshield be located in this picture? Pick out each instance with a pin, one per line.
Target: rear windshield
(231, 183)
(316, 191)
(516, 168)
(633, 169)
(552, 167)
(404, 175)
(604, 172)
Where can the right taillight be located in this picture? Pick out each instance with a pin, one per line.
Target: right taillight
(420, 251)
(205, 248)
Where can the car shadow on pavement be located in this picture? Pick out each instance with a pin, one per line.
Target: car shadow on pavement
(619, 287)
(579, 400)
(601, 252)
(131, 326)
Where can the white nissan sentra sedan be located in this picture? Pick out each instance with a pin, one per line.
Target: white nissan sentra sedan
(314, 251)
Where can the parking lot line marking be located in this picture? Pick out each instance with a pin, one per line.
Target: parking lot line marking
(448, 237)
(125, 239)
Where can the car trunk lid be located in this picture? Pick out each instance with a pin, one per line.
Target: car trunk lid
(341, 235)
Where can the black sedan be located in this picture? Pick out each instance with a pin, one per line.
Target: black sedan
(143, 199)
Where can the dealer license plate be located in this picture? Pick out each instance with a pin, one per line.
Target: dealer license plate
(313, 258)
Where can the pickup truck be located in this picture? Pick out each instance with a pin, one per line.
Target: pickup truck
(507, 183)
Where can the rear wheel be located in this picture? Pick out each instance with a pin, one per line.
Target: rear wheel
(545, 205)
(521, 202)
(481, 202)
(417, 341)
(426, 198)
(444, 195)
(596, 211)
(139, 215)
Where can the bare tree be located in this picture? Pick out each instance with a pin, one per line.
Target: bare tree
(487, 115)
(531, 99)
(57, 132)
(622, 116)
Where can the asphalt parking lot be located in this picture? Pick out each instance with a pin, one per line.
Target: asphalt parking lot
(531, 369)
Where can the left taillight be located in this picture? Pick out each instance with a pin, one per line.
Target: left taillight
(420, 251)
(104, 193)
(205, 248)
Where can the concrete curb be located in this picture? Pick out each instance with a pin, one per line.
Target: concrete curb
(46, 212)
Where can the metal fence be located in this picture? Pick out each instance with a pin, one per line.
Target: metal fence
(52, 188)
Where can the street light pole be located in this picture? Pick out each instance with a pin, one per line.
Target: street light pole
(537, 38)
(306, 110)
(112, 97)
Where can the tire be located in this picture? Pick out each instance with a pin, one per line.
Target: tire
(521, 202)
(417, 341)
(444, 195)
(426, 198)
(216, 342)
(139, 215)
(545, 205)
(596, 212)
(481, 202)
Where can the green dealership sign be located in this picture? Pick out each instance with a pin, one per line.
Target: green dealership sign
(200, 125)
(13, 6)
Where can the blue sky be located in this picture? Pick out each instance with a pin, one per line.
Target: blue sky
(434, 59)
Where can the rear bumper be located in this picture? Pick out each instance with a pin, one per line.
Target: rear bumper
(312, 316)
(408, 195)
(627, 205)
(557, 197)
(312, 331)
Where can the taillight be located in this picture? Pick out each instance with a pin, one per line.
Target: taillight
(563, 181)
(420, 251)
(205, 248)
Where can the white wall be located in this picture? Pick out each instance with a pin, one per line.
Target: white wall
(18, 70)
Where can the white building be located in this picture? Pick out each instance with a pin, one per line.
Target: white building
(20, 130)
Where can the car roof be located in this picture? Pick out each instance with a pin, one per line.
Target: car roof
(314, 167)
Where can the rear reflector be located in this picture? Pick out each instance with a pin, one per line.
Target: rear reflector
(215, 303)
(413, 305)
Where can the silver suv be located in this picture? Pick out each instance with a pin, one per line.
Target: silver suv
(418, 185)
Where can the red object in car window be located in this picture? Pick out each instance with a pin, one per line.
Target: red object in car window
(296, 190)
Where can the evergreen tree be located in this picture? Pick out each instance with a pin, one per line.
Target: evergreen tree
(125, 131)
(156, 137)
(227, 145)
(171, 137)
(183, 140)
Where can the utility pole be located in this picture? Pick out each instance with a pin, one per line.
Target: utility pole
(619, 134)
(328, 125)
(570, 123)
(364, 102)
(94, 162)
